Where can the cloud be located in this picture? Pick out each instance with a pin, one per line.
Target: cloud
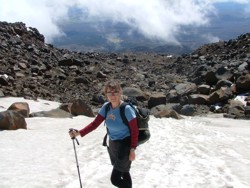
(210, 38)
(247, 11)
(43, 15)
(155, 19)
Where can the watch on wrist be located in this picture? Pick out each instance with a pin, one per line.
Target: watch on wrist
(132, 149)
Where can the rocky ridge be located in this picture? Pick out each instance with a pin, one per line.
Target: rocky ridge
(192, 84)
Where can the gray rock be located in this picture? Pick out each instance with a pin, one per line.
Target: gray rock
(55, 113)
(188, 110)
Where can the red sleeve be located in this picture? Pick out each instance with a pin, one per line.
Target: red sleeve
(134, 132)
(92, 126)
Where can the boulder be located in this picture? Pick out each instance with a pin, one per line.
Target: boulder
(21, 107)
(184, 89)
(55, 113)
(12, 120)
(188, 110)
(204, 89)
(99, 99)
(198, 99)
(172, 96)
(201, 110)
(223, 74)
(156, 99)
(243, 83)
(166, 111)
(3, 80)
(223, 83)
(168, 114)
(69, 62)
(66, 107)
(79, 107)
(236, 110)
(134, 92)
(210, 77)
(220, 95)
(243, 67)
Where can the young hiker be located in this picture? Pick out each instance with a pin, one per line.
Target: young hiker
(123, 139)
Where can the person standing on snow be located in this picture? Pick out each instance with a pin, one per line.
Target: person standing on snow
(123, 139)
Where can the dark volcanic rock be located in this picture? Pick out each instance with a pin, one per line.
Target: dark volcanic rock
(33, 69)
(21, 107)
(12, 120)
(243, 83)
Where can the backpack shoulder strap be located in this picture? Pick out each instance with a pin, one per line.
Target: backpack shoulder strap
(122, 113)
(107, 108)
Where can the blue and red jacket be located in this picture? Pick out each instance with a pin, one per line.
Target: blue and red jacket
(117, 130)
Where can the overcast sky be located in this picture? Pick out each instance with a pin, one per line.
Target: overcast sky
(157, 19)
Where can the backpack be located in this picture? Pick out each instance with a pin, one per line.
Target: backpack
(142, 116)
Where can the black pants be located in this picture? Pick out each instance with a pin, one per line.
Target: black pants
(121, 179)
(119, 154)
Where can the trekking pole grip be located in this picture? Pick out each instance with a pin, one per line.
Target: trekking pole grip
(74, 138)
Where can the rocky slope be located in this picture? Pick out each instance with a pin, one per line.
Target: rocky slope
(190, 84)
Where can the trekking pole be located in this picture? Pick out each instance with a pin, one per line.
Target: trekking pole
(77, 165)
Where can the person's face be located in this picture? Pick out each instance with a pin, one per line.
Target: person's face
(113, 95)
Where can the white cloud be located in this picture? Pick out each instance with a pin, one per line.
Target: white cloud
(114, 38)
(230, 1)
(44, 15)
(247, 10)
(155, 19)
(210, 38)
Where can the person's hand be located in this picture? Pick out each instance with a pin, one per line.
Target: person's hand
(132, 154)
(73, 133)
